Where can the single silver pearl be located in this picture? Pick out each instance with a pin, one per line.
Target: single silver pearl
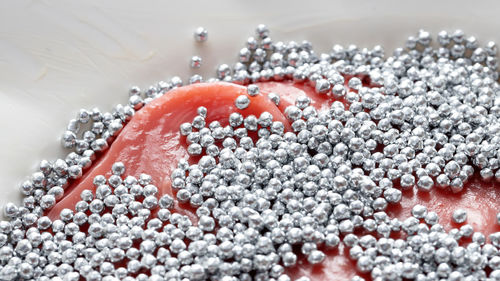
(47, 201)
(242, 102)
(253, 90)
(459, 216)
(322, 86)
(200, 34)
(195, 62)
(262, 31)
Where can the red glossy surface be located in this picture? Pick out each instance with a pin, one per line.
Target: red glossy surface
(151, 143)
(479, 198)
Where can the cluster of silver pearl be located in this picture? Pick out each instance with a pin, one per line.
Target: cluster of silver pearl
(429, 119)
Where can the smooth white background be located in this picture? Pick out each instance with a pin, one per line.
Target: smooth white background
(59, 56)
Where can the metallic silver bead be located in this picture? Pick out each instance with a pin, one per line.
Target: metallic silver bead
(262, 31)
(47, 201)
(200, 34)
(253, 90)
(425, 183)
(242, 102)
(431, 218)
(315, 257)
(195, 62)
(322, 86)
(459, 216)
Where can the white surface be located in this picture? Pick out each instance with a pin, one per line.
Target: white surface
(57, 57)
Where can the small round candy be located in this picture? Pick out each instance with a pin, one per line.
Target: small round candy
(459, 216)
(195, 62)
(322, 86)
(419, 211)
(253, 90)
(262, 31)
(316, 257)
(118, 168)
(242, 102)
(200, 34)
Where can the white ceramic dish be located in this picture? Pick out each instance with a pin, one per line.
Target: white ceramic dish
(56, 57)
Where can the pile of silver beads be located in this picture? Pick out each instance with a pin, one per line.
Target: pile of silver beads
(432, 121)
(428, 119)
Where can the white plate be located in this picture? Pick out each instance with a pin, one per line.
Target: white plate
(56, 58)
